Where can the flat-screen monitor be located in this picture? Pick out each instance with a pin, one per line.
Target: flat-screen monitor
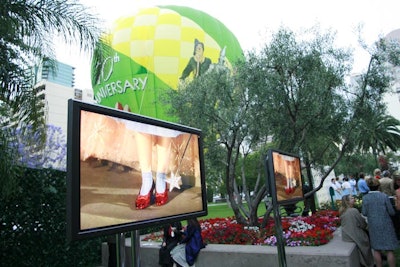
(112, 155)
(284, 177)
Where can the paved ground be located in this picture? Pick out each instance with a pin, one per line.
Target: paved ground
(108, 193)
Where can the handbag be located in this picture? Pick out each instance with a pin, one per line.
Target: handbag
(164, 254)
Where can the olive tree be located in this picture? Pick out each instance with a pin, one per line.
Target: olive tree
(303, 94)
(291, 95)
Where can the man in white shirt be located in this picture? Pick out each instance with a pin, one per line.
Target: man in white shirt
(353, 184)
(337, 189)
(346, 187)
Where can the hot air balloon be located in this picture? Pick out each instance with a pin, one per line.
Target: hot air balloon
(149, 52)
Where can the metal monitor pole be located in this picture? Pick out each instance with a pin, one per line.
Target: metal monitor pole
(270, 183)
(279, 235)
(135, 248)
(120, 249)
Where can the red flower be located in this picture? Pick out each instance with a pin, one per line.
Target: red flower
(314, 230)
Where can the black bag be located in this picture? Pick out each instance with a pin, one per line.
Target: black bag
(164, 256)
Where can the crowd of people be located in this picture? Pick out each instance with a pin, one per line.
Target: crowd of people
(375, 229)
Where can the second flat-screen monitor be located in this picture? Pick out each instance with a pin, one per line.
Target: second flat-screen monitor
(284, 176)
(108, 152)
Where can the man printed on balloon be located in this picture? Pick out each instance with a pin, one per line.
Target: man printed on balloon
(198, 63)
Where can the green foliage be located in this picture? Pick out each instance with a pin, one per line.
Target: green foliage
(223, 210)
(297, 83)
(28, 29)
(294, 92)
(210, 194)
(251, 165)
(377, 132)
(8, 164)
(33, 201)
(220, 107)
(33, 223)
(358, 202)
(356, 163)
(325, 205)
(372, 128)
(311, 110)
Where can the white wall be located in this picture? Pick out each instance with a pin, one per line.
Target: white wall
(322, 196)
(57, 103)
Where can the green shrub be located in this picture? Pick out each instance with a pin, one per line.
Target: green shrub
(33, 225)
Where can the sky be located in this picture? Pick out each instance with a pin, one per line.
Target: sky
(253, 22)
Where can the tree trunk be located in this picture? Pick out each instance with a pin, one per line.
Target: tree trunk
(311, 183)
(229, 179)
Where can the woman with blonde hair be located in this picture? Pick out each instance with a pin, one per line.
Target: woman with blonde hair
(354, 229)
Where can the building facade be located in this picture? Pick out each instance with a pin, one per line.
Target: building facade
(59, 87)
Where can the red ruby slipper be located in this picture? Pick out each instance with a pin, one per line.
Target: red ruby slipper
(162, 198)
(143, 201)
(289, 190)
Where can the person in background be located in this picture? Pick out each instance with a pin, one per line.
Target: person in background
(172, 236)
(354, 229)
(337, 188)
(346, 187)
(353, 184)
(396, 186)
(332, 195)
(185, 254)
(377, 208)
(362, 184)
(386, 184)
(396, 199)
(377, 173)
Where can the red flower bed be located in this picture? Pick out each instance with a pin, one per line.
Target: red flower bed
(313, 230)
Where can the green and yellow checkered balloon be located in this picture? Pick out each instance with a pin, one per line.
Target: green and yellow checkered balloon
(148, 52)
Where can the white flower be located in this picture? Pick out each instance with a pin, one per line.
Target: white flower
(300, 226)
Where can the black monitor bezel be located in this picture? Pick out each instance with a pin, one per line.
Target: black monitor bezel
(271, 179)
(73, 172)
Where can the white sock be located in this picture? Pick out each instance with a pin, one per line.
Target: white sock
(160, 182)
(147, 183)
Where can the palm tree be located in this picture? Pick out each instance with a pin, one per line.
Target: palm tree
(376, 130)
(377, 133)
(27, 31)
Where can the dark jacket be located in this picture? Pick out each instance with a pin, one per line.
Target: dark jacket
(194, 243)
(171, 239)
